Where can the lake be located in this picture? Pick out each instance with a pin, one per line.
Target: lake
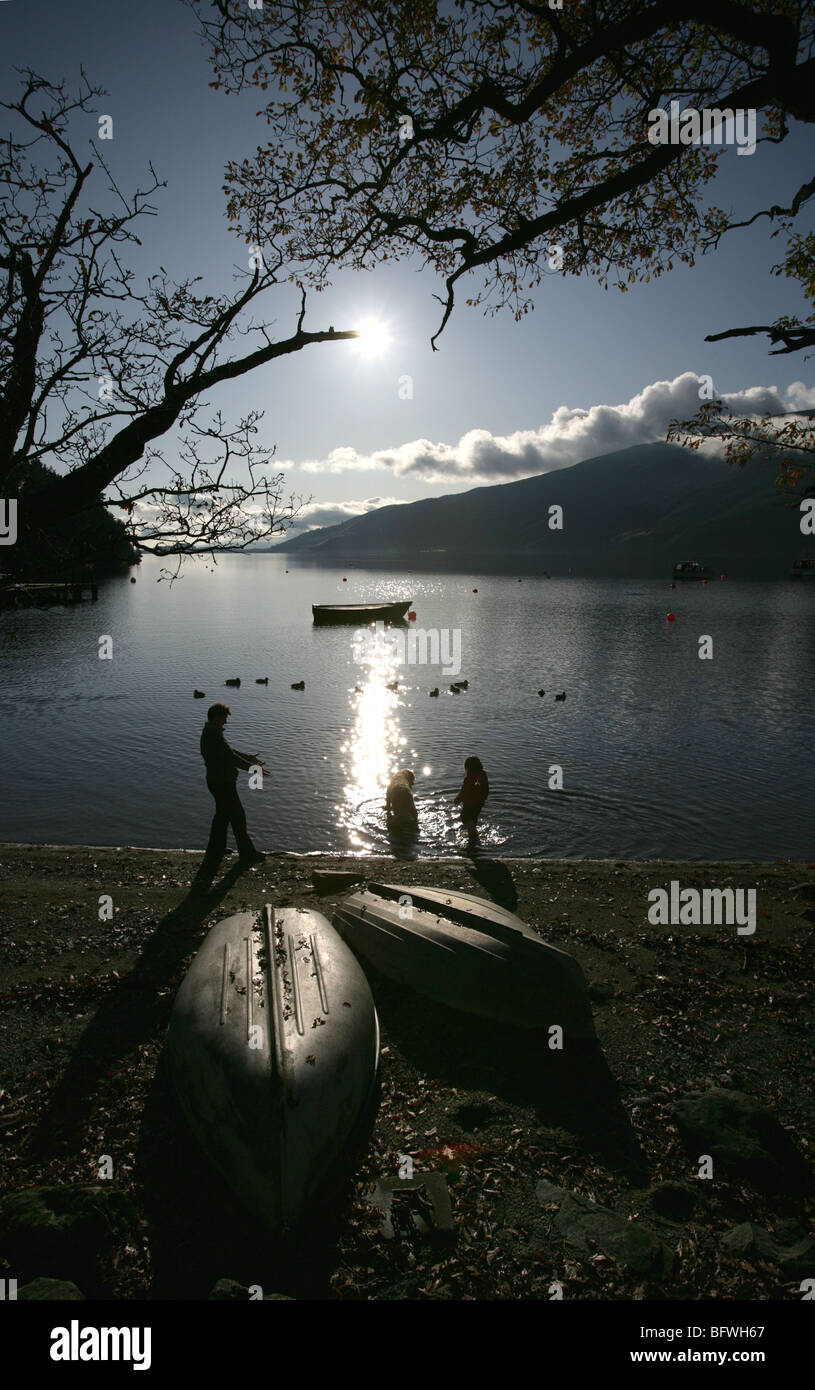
(662, 754)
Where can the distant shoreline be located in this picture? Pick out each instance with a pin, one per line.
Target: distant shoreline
(743, 566)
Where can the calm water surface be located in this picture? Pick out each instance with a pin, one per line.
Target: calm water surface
(663, 755)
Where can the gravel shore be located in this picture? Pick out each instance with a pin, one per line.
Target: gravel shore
(85, 1005)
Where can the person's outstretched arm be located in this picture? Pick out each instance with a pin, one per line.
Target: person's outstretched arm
(244, 760)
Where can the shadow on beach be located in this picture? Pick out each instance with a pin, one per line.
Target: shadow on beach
(493, 875)
(130, 1015)
(572, 1090)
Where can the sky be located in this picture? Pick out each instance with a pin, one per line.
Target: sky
(588, 371)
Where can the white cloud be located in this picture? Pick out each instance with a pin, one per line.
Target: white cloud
(571, 436)
(310, 515)
(332, 513)
(801, 397)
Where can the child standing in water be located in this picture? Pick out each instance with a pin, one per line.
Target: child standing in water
(474, 790)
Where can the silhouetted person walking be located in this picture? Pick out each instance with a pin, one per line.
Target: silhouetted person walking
(222, 764)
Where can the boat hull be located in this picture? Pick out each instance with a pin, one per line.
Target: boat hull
(325, 614)
(275, 1066)
(468, 954)
(690, 571)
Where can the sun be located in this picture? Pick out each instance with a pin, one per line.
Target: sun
(374, 338)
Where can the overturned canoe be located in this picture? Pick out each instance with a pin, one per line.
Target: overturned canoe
(467, 953)
(273, 1050)
(359, 612)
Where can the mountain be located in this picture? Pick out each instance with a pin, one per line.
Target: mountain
(632, 511)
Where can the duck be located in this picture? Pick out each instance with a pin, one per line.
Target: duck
(463, 685)
(392, 685)
(357, 689)
(298, 685)
(435, 692)
(261, 680)
(199, 694)
(561, 697)
(455, 689)
(237, 681)
(541, 692)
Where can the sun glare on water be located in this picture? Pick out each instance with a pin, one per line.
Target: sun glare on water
(371, 752)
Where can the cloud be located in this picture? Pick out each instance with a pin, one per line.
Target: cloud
(571, 436)
(310, 515)
(801, 397)
(332, 513)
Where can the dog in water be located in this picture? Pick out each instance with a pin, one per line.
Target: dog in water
(400, 808)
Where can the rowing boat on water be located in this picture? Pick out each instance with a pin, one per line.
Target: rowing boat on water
(467, 953)
(691, 569)
(359, 612)
(803, 568)
(273, 1050)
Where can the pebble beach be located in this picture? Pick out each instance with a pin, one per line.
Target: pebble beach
(573, 1171)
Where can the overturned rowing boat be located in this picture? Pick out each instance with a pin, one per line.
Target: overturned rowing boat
(467, 953)
(273, 1050)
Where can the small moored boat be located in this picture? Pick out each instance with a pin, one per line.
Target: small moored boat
(691, 569)
(803, 568)
(360, 612)
(467, 953)
(273, 1050)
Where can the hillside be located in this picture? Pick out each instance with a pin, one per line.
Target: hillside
(633, 510)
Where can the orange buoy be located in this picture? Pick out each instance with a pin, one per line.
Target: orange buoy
(705, 581)
(344, 580)
(724, 576)
(412, 616)
(670, 618)
(673, 586)
(475, 591)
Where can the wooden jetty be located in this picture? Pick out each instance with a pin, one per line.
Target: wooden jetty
(46, 593)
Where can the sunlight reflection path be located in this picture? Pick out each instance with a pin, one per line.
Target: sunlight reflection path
(375, 745)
